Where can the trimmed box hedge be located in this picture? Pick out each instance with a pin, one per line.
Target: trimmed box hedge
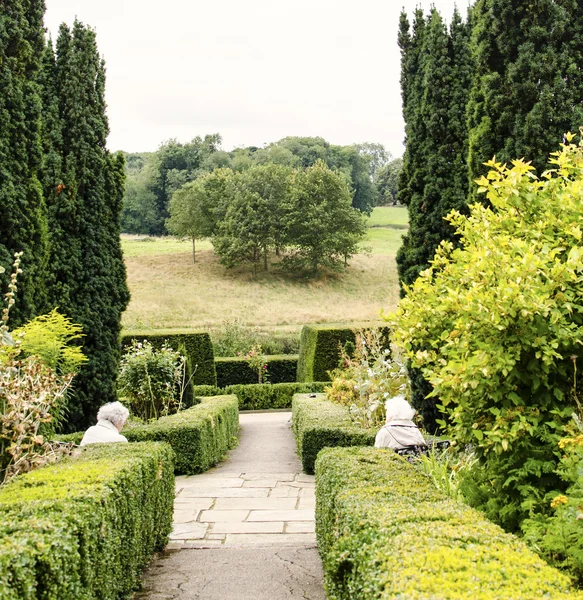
(200, 436)
(262, 396)
(385, 532)
(320, 348)
(318, 423)
(236, 370)
(85, 527)
(195, 345)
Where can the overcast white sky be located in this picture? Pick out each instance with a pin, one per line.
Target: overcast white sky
(252, 70)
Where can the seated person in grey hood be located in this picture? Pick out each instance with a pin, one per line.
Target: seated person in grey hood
(400, 431)
(110, 420)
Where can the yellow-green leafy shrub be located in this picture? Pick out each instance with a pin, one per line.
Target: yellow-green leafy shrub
(496, 327)
(86, 527)
(319, 423)
(558, 536)
(385, 532)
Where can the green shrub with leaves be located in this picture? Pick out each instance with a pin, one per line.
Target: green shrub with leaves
(195, 345)
(152, 380)
(558, 536)
(367, 379)
(496, 327)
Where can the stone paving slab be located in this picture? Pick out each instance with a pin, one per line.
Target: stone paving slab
(254, 527)
(269, 503)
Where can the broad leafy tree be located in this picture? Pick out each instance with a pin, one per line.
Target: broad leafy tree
(255, 217)
(189, 216)
(387, 182)
(322, 227)
(23, 220)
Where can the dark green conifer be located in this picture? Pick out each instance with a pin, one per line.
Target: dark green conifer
(23, 221)
(436, 74)
(84, 186)
(527, 86)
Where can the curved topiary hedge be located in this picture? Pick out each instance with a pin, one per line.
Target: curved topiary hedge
(236, 370)
(85, 528)
(262, 396)
(318, 423)
(385, 532)
(320, 348)
(195, 345)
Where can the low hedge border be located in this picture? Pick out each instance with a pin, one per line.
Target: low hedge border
(200, 436)
(86, 527)
(236, 370)
(320, 348)
(318, 423)
(262, 396)
(195, 345)
(385, 532)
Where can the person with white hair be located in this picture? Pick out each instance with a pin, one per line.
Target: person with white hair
(400, 431)
(110, 420)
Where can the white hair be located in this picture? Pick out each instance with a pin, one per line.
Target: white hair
(114, 412)
(398, 409)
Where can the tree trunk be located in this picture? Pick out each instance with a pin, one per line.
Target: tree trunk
(193, 250)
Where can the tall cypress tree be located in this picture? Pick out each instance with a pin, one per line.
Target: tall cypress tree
(527, 86)
(84, 186)
(23, 221)
(435, 75)
(436, 180)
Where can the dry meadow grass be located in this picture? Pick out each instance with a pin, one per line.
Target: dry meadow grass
(169, 291)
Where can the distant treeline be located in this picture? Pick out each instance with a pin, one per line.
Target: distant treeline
(153, 177)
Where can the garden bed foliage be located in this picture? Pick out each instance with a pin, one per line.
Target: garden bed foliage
(237, 370)
(385, 532)
(321, 348)
(195, 345)
(495, 325)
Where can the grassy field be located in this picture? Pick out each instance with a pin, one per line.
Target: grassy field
(169, 291)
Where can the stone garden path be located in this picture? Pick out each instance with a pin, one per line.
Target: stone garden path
(245, 529)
